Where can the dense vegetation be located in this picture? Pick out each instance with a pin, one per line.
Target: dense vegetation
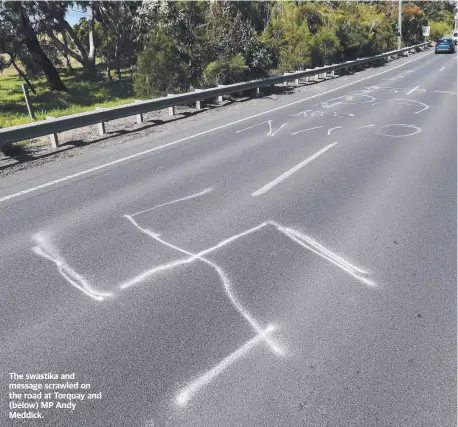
(157, 47)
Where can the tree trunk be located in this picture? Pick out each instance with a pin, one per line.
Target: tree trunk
(40, 57)
(118, 65)
(92, 49)
(23, 76)
(67, 59)
(108, 56)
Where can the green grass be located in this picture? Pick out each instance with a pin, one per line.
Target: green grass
(83, 95)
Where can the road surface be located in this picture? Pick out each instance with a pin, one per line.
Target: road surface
(290, 265)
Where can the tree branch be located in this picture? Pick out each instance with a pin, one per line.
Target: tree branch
(62, 47)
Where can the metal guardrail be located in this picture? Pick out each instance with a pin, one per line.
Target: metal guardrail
(60, 124)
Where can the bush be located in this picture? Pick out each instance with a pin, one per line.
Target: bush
(160, 69)
(438, 30)
(224, 71)
(325, 47)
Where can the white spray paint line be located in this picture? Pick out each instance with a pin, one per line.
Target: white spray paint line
(192, 196)
(224, 279)
(401, 101)
(444, 91)
(382, 133)
(148, 273)
(330, 130)
(328, 255)
(313, 113)
(46, 250)
(187, 138)
(443, 68)
(270, 129)
(250, 127)
(306, 130)
(291, 171)
(361, 127)
(412, 90)
(186, 394)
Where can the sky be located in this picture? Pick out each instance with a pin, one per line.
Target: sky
(74, 16)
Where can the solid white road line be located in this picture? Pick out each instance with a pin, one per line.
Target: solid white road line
(443, 68)
(288, 173)
(187, 138)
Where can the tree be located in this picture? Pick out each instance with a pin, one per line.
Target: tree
(117, 19)
(22, 16)
(52, 22)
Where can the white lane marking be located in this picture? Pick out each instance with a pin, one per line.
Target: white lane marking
(306, 130)
(185, 395)
(186, 138)
(443, 68)
(250, 127)
(192, 196)
(381, 130)
(46, 250)
(445, 91)
(361, 127)
(294, 169)
(412, 90)
(224, 279)
(330, 130)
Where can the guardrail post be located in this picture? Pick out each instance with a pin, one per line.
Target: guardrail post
(198, 103)
(287, 82)
(172, 110)
(139, 116)
(53, 138)
(28, 103)
(220, 97)
(101, 126)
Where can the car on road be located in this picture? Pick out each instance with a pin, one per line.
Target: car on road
(455, 37)
(445, 45)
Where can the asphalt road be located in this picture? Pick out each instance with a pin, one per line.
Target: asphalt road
(292, 264)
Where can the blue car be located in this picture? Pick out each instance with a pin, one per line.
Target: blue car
(445, 45)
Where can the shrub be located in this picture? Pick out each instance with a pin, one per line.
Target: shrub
(438, 30)
(224, 71)
(160, 69)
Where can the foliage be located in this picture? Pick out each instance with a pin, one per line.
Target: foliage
(438, 30)
(223, 71)
(161, 69)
